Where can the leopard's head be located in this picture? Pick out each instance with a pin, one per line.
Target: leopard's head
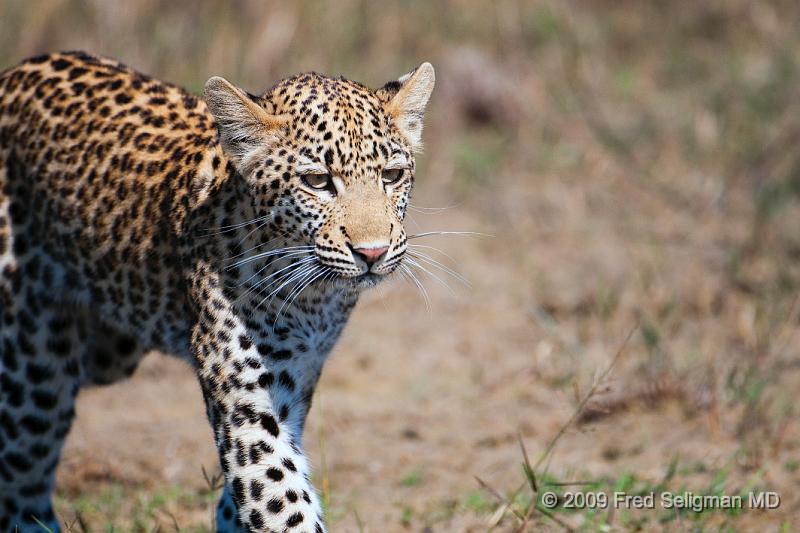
(329, 164)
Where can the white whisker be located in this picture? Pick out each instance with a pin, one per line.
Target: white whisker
(413, 221)
(285, 281)
(292, 251)
(260, 270)
(434, 263)
(430, 210)
(240, 254)
(463, 233)
(302, 285)
(298, 281)
(258, 227)
(285, 273)
(261, 282)
(431, 274)
(434, 249)
(413, 278)
(224, 229)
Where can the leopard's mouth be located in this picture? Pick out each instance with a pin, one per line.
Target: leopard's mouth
(360, 282)
(368, 280)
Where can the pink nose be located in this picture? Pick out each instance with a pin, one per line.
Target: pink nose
(371, 255)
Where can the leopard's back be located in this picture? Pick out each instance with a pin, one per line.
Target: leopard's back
(99, 164)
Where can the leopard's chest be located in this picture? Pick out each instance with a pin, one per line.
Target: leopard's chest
(309, 329)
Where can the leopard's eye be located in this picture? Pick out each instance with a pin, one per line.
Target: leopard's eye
(318, 181)
(391, 176)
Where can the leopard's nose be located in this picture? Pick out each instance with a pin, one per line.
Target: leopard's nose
(369, 254)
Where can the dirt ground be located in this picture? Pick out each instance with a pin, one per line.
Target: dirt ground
(634, 168)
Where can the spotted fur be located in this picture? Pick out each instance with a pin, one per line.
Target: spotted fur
(235, 231)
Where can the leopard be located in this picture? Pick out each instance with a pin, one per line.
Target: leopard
(233, 230)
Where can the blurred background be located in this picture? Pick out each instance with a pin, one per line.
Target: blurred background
(635, 166)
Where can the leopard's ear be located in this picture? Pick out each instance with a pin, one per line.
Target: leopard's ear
(406, 99)
(244, 124)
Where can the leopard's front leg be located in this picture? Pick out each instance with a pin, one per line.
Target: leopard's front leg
(258, 386)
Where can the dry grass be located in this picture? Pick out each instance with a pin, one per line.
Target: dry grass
(636, 162)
